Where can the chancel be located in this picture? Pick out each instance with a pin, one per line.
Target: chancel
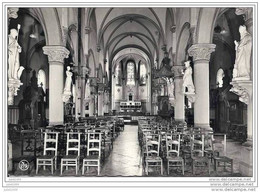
(130, 91)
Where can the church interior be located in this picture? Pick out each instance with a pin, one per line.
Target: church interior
(130, 91)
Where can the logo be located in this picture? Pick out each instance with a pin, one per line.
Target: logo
(23, 165)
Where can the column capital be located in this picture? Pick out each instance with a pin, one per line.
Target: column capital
(245, 11)
(56, 53)
(178, 71)
(201, 51)
(173, 29)
(87, 30)
(12, 12)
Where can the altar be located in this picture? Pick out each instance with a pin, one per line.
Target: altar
(130, 106)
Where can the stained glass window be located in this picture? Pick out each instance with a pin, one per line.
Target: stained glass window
(130, 73)
(142, 74)
(42, 79)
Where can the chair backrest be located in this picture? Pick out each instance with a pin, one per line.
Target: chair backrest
(153, 144)
(173, 145)
(50, 142)
(208, 142)
(73, 143)
(197, 145)
(94, 143)
(220, 143)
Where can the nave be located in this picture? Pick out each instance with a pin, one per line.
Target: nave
(127, 159)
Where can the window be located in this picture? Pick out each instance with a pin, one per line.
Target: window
(42, 79)
(142, 74)
(130, 73)
(118, 75)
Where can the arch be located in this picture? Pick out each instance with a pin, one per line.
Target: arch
(124, 22)
(182, 42)
(127, 17)
(131, 46)
(206, 22)
(33, 49)
(152, 11)
(136, 34)
(92, 65)
(51, 26)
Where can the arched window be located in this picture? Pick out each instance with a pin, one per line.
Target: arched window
(130, 73)
(42, 79)
(142, 74)
(118, 75)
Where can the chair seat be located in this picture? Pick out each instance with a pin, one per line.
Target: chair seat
(202, 159)
(153, 158)
(174, 158)
(70, 157)
(46, 157)
(223, 159)
(91, 157)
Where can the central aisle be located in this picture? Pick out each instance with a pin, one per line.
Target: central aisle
(124, 159)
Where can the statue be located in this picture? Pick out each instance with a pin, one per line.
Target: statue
(87, 91)
(170, 85)
(187, 78)
(243, 54)
(220, 76)
(14, 70)
(67, 87)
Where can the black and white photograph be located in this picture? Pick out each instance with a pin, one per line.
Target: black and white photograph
(129, 94)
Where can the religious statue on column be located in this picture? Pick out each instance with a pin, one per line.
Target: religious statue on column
(67, 88)
(14, 68)
(87, 91)
(187, 79)
(243, 55)
(14, 49)
(170, 86)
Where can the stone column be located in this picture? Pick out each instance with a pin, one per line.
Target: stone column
(56, 55)
(91, 106)
(201, 56)
(84, 71)
(179, 112)
(100, 102)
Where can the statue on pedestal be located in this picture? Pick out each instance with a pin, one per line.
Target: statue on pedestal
(243, 55)
(14, 70)
(67, 88)
(187, 79)
(170, 86)
(220, 76)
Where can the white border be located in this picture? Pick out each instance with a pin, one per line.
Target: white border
(125, 181)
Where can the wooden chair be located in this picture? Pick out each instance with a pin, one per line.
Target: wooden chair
(93, 151)
(222, 158)
(173, 152)
(50, 151)
(152, 158)
(197, 153)
(72, 152)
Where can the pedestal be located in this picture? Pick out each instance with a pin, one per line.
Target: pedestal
(13, 87)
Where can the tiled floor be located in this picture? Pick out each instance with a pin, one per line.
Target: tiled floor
(125, 160)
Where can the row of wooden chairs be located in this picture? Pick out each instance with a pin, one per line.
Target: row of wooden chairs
(194, 145)
(72, 157)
